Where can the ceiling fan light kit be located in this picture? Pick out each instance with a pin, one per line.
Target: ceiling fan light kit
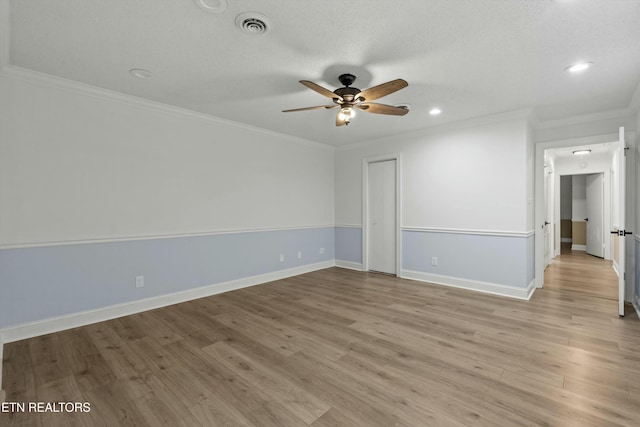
(349, 98)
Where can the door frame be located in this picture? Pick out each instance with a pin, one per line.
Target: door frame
(365, 208)
(607, 204)
(539, 191)
(549, 209)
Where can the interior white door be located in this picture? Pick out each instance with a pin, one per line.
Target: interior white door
(547, 219)
(382, 216)
(622, 189)
(595, 214)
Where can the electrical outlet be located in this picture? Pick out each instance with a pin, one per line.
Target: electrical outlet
(139, 281)
(281, 257)
(321, 251)
(434, 260)
(299, 254)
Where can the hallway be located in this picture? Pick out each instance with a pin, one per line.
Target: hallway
(576, 271)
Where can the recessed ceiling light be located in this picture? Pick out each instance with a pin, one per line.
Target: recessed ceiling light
(212, 6)
(435, 111)
(140, 73)
(581, 152)
(578, 67)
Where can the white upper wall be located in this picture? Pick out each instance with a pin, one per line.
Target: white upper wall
(76, 166)
(531, 160)
(473, 178)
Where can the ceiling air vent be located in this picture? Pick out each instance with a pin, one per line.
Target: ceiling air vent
(252, 23)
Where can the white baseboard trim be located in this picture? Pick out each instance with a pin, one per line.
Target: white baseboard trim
(578, 247)
(348, 264)
(566, 240)
(473, 285)
(615, 266)
(61, 323)
(636, 305)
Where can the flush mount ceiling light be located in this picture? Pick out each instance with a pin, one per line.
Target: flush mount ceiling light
(581, 152)
(253, 23)
(140, 73)
(578, 67)
(212, 6)
(435, 111)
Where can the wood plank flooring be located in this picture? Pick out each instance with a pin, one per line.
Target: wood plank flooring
(577, 271)
(341, 348)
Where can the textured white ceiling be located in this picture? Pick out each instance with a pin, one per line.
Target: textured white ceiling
(472, 58)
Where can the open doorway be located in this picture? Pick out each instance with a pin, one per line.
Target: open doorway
(584, 262)
(585, 214)
(579, 189)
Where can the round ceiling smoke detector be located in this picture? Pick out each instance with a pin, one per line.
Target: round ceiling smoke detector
(140, 73)
(212, 6)
(253, 23)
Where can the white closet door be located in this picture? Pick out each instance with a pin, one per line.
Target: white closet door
(382, 216)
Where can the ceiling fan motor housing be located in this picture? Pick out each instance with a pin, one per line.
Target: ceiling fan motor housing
(347, 79)
(347, 93)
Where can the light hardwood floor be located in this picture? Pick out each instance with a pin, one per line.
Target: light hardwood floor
(341, 348)
(577, 271)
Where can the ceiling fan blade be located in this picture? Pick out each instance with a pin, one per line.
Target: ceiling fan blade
(318, 107)
(339, 121)
(320, 89)
(382, 90)
(373, 107)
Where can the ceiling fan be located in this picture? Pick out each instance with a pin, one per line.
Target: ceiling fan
(349, 98)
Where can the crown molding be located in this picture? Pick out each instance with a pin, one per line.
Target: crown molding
(5, 33)
(524, 114)
(48, 80)
(534, 120)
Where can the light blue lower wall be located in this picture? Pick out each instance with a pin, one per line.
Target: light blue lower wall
(44, 282)
(531, 258)
(502, 260)
(349, 244)
(637, 276)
